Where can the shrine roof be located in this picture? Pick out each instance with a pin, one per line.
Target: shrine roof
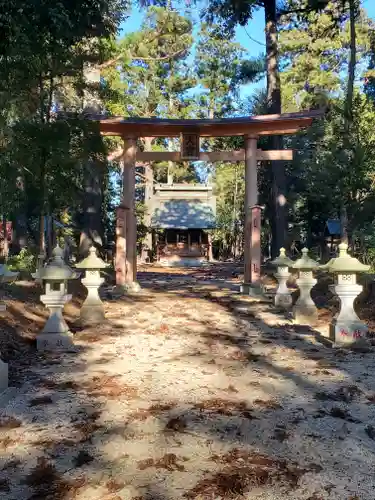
(175, 187)
(287, 123)
(184, 214)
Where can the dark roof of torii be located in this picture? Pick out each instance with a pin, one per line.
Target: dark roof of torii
(287, 123)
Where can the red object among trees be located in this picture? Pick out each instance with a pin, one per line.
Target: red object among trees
(8, 230)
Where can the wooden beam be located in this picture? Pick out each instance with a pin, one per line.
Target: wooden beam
(213, 156)
(281, 154)
(229, 130)
(249, 125)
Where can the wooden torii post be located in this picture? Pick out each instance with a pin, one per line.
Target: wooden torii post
(251, 128)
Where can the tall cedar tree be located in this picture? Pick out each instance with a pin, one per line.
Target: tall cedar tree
(232, 13)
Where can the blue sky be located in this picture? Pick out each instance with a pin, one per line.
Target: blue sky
(251, 37)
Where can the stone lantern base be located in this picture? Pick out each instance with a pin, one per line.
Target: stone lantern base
(283, 300)
(55, 334)
(304, 310)
(92, 314)
(348, 333)
(305, 315)
(54, 341)
(346, 328)
(92, 310)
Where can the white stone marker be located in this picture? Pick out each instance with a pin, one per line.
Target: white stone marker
(92, 310)
(55, 334)
(283, 298)
(346, 328)
(304, 310)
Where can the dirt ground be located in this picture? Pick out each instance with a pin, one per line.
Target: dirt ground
(189, 391)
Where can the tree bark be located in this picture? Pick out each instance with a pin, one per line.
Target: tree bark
(278, 208)
(353, 9)
(5, 238)
(92, 206)
(234, 213)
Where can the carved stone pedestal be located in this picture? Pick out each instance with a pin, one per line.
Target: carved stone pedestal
(283, 298)
(304, 310)
(55, 334)
(92, 310)
(346, 328)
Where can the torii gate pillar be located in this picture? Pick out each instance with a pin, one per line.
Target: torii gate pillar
(252, 248)
(126, 225)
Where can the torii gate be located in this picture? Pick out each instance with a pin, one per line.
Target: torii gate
(190, 131)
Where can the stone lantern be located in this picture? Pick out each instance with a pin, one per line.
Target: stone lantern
(55, 334)
(39, 266)
(6, 276)
(283, 297)
(304, 309)
(346, 328)
(92, 310)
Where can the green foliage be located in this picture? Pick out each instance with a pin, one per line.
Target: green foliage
(315, 54)
(369, 84)
(334, 166)
(229, 190)
(42, 66)
(25, 260)
(148, 72)
(218, 65)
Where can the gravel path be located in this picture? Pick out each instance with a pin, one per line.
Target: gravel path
(180, 396)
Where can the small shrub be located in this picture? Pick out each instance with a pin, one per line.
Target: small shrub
(24, 261)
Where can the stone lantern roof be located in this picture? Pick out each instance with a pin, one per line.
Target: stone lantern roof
(345, 263)
(92, 261)
(56, 270)
(6, 275)
(282, 260)
(305, 263)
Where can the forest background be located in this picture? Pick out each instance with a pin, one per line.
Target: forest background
(211, 60)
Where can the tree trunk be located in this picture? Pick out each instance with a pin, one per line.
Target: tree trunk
(5, 237)
(278, 208)
(42, 238)
(344, 224)
(92, 206)
(353, 9)
(210, 256)
(234, 214)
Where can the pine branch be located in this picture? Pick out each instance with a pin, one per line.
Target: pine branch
(113, 61)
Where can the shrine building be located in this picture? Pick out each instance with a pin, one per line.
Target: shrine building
(181, 216)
